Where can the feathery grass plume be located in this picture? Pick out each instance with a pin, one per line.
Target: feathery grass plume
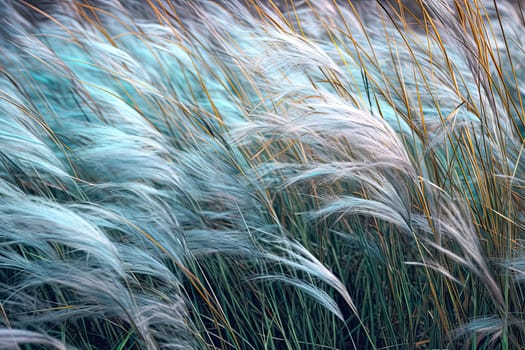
(10, 338)
(257, 174)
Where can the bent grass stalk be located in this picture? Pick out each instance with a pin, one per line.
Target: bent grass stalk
(262, 174)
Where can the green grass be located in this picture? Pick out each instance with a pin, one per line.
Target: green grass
(262, 175)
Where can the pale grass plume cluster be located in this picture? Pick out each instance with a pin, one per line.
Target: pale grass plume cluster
(248, 174)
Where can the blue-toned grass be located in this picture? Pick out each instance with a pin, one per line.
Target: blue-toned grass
(262, 174)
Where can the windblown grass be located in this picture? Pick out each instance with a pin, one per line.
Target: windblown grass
(262, 174)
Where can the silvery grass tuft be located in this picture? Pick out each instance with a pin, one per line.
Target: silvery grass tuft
(262, 174)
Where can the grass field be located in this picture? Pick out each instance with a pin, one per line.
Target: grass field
(192, 174)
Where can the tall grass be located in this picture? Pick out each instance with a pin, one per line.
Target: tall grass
(262, 174)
